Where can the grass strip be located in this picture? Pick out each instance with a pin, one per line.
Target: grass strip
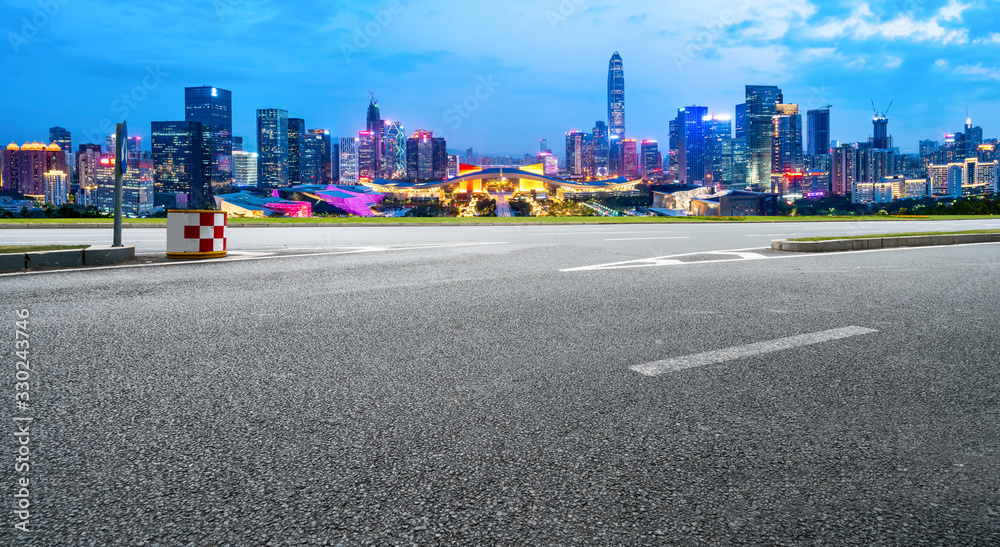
(35, 248)
(908, 234)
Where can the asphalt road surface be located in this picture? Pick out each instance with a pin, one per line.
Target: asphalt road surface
(537, 385)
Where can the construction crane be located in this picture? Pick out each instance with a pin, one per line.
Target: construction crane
(884, 114)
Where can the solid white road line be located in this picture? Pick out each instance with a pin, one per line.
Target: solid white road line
(720, 356)
(250, 255)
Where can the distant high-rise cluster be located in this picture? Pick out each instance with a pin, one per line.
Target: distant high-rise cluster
(767, 144)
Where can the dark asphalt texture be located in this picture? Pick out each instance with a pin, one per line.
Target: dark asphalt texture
(479, 395)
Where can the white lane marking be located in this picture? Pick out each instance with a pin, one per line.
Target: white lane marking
(645, 238)
(357, 250)
(760, 348)
(671, 260)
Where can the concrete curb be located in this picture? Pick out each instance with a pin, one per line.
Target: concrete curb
(72, 258)
(841, 245)
(103, 256)
(54, 259)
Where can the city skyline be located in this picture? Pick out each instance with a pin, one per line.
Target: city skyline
(935, 59)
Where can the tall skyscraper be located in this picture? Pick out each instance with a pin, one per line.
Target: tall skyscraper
(616, 167)
(245, 169)
(367, 156)
(652, 164)
(543, 146)
(691, 140)
(64, 139)
(394, 144)
(718, 129)
(843, 170)
(575, 151)
(88, 157)
(616, 97)
(24, 167)
(348, 160)
(375, 127)
(818, 121)
(296, 141)
(237, 145)
(426, 156)
(178, 160)
(787, 139)
(328, 174)
(272, 148)
(56, 188)
(761, 106)
(212, 107)
(311, 164)
(741, 121)
(630, 159)
(137, 185)
(881, 140)
(600, 144)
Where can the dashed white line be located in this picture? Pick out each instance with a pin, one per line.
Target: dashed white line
(760, 348)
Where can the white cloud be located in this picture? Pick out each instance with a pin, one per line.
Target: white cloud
(941, 63)
(993, 38)
(863, 24)
(893, 62)
(991, 73)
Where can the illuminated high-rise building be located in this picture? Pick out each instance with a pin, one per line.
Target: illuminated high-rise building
(24, 167)
(741, 121)
(212, 107)
(843, 170)
(237, 144)
(64, 139)
(600, 145)
(630, 159)
(881, 140)
(88, 157)
(272, 148)
(178, 160)
(818, 121)
(761, 106)
(375, 127)
(691, 140)
(348, 160)
(56, 188)
(616, 167)
(616, 97)
(575, 152)
(327, 155)
(367, 156)
(787, 139)
(718, 129)
(311, 165)
(426, 156)
(652, 163)
(394, 145)
(296, 142)
(245, 169)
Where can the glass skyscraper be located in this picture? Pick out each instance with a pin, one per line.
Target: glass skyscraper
(691, 140)
(373, 164)
(296, 142)
(212, 107)
(426, 157)
(394, 158)
(348, 159)
(819, 131)
(787, 147)
(761, 106)
(575, 151)
(312, 159)
(178, 160)
(327, 173)
(616, 97)
(600, 140)
(272, 148)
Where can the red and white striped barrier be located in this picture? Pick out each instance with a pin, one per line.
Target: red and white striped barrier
(196, 234)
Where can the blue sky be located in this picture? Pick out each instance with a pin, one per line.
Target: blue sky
(523, 70)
